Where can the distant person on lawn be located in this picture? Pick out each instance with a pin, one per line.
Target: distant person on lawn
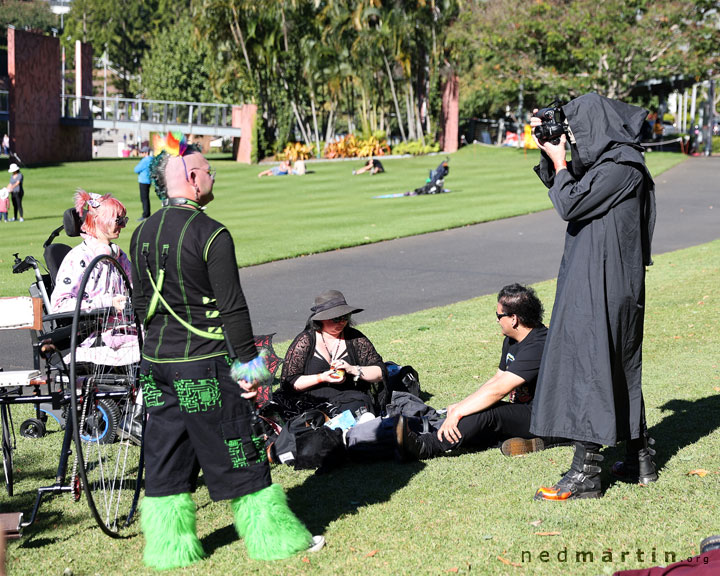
(142, 169)
(374, 166)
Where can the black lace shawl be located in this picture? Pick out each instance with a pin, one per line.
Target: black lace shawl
(361, 352)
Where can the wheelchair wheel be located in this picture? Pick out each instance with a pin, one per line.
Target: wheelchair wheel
(32, 428)
(104, 359)
(7, 448)
(100, 423)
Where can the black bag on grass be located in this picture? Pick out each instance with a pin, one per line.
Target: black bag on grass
(402, 379)
(307, 443)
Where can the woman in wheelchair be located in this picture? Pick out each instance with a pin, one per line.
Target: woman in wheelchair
(105, 217)
(111, 340)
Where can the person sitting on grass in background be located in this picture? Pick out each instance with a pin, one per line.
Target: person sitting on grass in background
(483, 419)
(283, 169)
(374, 166)
(299, 168)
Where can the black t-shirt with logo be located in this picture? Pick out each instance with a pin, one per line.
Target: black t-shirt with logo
(523, 360)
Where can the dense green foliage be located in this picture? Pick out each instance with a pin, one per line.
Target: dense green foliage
(123, 29)
(322, 68)
(469, 513)
(176, 66)
(284, 217)
(32, 15)
(553, 48)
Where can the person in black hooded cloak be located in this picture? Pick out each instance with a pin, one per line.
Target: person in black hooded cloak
(589, 385)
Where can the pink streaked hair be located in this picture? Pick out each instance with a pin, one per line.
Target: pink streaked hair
(98, 210)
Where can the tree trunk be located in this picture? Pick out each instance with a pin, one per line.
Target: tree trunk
(239, 38)
(330, 131)
(394, 95)
(410, 115)
(315, 124)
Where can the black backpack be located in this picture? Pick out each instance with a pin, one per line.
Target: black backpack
(402, 379)
(307, 443)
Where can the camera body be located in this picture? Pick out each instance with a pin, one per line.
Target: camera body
(552, 126)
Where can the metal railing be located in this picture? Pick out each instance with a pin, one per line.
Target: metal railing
(197, 117)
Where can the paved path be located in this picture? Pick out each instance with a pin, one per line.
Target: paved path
(410, 274)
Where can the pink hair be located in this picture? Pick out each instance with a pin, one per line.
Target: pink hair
(98, 210)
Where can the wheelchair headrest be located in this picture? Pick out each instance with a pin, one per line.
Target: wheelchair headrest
(72, 222)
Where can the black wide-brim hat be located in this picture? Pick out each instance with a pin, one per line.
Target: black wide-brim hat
(331, 304)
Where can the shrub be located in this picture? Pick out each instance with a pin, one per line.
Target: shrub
(416, 148)
(351, 147)
(297, 151)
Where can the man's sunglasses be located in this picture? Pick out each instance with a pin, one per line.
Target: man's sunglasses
(503, 315)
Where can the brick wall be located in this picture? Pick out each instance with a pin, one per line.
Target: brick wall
(36, 134)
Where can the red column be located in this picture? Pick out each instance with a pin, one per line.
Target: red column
(244, 117)
(450, 115)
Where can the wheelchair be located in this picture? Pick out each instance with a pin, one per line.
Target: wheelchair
(86, 378)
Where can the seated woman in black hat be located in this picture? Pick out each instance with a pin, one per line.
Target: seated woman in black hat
(330, 361)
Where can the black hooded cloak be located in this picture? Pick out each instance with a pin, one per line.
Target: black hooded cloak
(589, 386)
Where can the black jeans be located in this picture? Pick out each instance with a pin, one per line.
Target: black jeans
(145, 199)
(486, 429)
(17, 198)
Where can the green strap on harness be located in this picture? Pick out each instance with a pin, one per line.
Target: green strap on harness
(157, 297)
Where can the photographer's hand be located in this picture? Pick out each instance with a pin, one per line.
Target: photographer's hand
(556, 153)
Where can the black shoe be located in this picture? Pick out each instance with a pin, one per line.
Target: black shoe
(638, 465)
(581, 481)
(411, 445)
(131, 426)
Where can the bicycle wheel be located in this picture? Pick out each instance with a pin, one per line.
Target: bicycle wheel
(104, 355)
(7, 448)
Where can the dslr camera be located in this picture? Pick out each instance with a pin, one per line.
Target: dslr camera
(552, 126)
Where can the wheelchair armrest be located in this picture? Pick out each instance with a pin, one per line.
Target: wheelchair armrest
(94, 313)
(58, 316)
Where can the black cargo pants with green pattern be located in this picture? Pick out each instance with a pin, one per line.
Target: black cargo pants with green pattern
(197, 419)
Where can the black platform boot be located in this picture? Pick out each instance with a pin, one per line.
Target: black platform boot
(415, 441)
(638, 465)
(581, 481)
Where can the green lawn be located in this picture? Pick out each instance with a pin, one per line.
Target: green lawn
(283, 217)
(473, 512)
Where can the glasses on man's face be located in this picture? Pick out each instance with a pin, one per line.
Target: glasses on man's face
(503, 315)
(209, 171)
(340, 319)
(122, 221)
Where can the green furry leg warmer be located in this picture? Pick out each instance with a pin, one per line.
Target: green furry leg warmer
(168, 523)
(270, 529)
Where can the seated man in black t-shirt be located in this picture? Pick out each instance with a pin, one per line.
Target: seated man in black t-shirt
(483, 419)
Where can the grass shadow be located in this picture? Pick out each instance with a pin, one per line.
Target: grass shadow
(689, 421)
(324, 498)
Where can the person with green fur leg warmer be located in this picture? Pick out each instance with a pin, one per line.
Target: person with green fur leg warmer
(200, 371)
(270, 529)
(168, 523)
